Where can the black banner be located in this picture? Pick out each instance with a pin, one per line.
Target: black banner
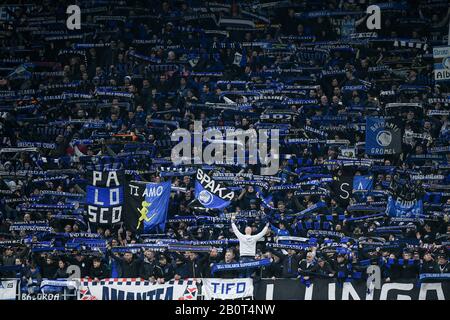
(134, 198)
(342, 189)
(330, 289)
(146, 205)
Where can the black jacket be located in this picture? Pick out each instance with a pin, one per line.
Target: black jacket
(304, 269)
(101, 272)
(7, 261)
(181, 270)
(290, 266)
(207, 265)
(429, 267)
(168, 271)
(393, 272)
(61, 274)
(128, 269)
(150, 269)
(342, 269)
(47, 270)
(275, 269)
(409, 271)
(84, 265)
(194, 268)
(325, 270)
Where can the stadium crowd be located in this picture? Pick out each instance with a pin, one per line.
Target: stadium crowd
(108, 96)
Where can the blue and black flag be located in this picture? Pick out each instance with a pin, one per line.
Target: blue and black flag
(210, 193)
(362, 183)
(146, 206)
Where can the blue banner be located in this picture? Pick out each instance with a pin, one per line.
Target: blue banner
(154, 208)
(401, 208)
(208, 199)
(240, 265)
(105, 197)
(382, 137)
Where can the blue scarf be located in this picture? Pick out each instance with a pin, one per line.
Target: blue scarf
(239, 265)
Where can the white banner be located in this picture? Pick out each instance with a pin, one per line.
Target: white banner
(8, 289)
(137, 289)
(227, 289)
(441, 57)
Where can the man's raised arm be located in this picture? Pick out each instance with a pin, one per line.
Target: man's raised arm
(263, 232)
(236, 231)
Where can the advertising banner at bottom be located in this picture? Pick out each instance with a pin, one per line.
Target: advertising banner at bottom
(227, 289)
(330, 289)
(8, 289)
(137, 289)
